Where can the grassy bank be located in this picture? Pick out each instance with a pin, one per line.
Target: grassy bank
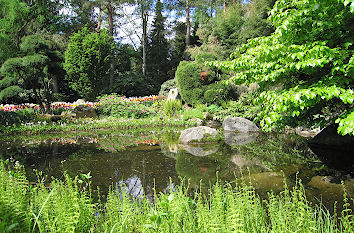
(93, 124)
(67, 207)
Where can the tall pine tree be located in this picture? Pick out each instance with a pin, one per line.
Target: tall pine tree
(158, 55)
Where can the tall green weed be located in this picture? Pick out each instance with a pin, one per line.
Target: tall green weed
(67, 207)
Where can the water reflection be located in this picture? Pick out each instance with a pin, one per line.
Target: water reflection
(263, 160)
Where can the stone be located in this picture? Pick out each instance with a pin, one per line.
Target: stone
(306, 133)
(239, 124)
(330, 139)
(213, 124)
(83, 111)
(173, 94)
(79, 102)
(239, 138)
(324, 183)
(198, 134)
(198, 150)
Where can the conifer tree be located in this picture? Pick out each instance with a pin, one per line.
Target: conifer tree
(158, 62)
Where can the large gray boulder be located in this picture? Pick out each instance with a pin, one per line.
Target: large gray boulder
(239, 124)
(198, 134)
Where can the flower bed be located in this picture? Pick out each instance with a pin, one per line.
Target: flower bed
(133, 107)
(107, 99)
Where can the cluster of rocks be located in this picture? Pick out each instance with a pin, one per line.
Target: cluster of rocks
(237, 131)
(199, 140)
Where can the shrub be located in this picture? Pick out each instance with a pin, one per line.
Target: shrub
(131, 83)
(119, 106)
(218, 93)
(195, 91)
(189, 83)
(20, 116)
(212, 109)
(200, 58)
(193, 113)
(171, 107)
(167, 86)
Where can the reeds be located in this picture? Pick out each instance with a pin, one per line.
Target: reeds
(66, 207)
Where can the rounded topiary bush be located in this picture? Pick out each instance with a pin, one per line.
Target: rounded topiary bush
(167, 86)
(189, 83)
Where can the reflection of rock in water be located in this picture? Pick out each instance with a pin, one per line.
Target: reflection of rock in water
(329, 189)
(333, 149)
(337, 159)
(241, 138)
(266, 181)
(241, 162)
(200, 150)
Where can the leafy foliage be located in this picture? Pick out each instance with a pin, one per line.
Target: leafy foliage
(33, 72)
(67, 207)
(118, 106)
(171, 107)
(310, 67)
(195, 89)
(87, 62)
(189, 83)
(167, 86)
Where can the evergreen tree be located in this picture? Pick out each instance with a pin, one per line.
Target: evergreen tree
(158, 63)
(32, 73)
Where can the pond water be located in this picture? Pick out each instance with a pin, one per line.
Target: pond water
(150, 159)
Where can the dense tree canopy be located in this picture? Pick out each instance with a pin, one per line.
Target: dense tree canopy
(300, 53)
(34, 72)
(87, 62)
(309, 57)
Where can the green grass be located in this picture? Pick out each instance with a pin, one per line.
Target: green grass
(93, 124)
(66, 206)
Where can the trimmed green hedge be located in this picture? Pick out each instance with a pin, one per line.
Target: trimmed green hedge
(194, 90)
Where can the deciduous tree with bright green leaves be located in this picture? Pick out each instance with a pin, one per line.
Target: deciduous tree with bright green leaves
(87, 62)
(309, 57)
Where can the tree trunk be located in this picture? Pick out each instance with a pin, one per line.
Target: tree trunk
(144, 18)
(110, 19)
(224, 7)
(188, 24)
(99, 23)
(111, 33)
(55, 84)
(39, 100)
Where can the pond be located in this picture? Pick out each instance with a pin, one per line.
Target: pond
(146, 160)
